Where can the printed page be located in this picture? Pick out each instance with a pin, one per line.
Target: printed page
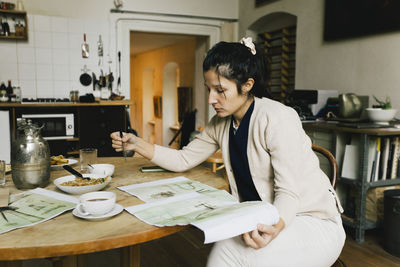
(179, 210)
(166, 188)
(32, 207)
(218, 219)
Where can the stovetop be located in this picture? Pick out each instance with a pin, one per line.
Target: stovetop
(44, 100)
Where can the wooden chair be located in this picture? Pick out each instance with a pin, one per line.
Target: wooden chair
(332, 177)
(216, 161)
(332, 162)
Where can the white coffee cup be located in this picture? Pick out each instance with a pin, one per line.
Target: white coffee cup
(96, 203)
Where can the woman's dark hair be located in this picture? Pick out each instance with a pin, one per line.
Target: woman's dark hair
(235, 62)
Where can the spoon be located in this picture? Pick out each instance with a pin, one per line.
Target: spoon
(74, 172)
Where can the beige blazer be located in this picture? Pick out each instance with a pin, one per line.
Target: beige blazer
(284, 168)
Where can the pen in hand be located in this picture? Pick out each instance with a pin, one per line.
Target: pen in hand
(123, 145)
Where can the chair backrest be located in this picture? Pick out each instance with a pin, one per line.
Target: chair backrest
(332, 162)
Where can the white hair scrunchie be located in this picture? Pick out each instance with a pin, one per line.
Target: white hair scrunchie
(248, 42)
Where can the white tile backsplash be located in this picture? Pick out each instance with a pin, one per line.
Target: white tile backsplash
(60, 56)
(44, 56)
(59, 24)
(60, 40)
(44, 88)
(76, 25)
(50, 62)
(25, 55)
(8, 53)
(61, 89)
(41, 23)
(44, 72)
(9, 71)
(75, 40)
(61, 73)
(43, 40)
(28, 88)
(27, 72)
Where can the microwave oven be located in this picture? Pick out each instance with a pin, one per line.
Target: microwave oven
(55, 126)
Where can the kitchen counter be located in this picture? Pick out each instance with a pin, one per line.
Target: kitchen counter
(69, 104)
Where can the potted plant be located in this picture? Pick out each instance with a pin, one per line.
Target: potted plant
(381, 112)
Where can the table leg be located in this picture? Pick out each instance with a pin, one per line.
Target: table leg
(130, 256)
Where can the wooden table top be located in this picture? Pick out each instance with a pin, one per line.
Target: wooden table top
(69, 235)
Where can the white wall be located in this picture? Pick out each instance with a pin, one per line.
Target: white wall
(365, 66)
(100, 8)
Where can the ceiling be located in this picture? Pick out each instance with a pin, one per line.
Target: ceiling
(144, 41)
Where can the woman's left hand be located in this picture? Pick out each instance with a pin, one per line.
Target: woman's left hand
(263, 235)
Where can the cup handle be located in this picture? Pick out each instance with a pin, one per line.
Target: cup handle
(81, 209)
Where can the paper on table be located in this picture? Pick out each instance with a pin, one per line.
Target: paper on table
(166, 188)
(218, 219)
(33, 207)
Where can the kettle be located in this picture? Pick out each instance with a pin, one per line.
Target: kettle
(349, 106)
(30, 157)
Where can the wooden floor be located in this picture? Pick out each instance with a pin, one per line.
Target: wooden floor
(186, 249)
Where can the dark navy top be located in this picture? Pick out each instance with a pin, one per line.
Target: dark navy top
(239, 161)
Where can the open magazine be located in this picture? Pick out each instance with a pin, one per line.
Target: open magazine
(181, 201)
(32, 207)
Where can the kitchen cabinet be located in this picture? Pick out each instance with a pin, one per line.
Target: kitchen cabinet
(335, 138)
(17, 22)
(93, 123)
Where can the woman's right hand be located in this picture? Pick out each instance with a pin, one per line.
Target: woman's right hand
(127, 140)
(132, 142)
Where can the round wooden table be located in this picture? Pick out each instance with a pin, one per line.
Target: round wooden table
(67, 235)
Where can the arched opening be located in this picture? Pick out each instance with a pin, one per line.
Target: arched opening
(277, 33)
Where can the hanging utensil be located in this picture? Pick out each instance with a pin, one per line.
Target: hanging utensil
(100, 50)
(85, 47)
(85, 78)
(119, 74)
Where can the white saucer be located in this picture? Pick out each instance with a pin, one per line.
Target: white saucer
(116, 210)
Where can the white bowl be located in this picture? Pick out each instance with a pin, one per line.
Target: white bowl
(78, 190)
(102, 169)
(380, 115)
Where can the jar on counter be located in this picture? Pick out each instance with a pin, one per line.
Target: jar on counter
(3, 96)
(74, 96)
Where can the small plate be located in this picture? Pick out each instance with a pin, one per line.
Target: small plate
(78, 190)
(116, 210)
(59, 167)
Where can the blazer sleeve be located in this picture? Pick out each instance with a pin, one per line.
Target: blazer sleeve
(289, 148)
(198, 150)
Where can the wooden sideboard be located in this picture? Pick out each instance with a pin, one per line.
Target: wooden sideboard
(93, 123)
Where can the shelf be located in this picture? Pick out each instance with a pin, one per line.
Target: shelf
(13, 16)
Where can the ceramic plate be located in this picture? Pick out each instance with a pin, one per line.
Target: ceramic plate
(59, 167)
(78, 190)
(116, 210)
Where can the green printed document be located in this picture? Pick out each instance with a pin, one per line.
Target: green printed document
(32, 207)
(219, 215)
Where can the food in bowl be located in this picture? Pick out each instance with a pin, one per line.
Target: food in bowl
(83, 182)
(77, 190)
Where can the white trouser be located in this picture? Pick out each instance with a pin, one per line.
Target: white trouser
(307, 241)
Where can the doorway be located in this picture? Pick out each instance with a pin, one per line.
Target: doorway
(160, 64)
(205, 33)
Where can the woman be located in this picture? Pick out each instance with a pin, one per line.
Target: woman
(267, 156)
